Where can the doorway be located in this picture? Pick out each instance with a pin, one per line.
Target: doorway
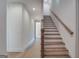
(37, 29)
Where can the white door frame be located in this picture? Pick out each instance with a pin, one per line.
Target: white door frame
(35, 28)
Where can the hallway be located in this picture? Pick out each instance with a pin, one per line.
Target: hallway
(59, 38)
(39, 28)
(54, 46)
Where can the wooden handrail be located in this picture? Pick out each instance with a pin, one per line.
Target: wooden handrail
(69, 30)
(42, 43)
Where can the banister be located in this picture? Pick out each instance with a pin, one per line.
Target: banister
(68, 29)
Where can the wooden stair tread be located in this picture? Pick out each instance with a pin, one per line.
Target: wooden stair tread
(54, 43)
(56, 53)
(51, 34)
(48, 56)
(52, 38)
(54, 46)
(50, 27)
(55, 50)
(52, 31)
(47, 24)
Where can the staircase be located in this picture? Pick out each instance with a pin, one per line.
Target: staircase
(52, 44)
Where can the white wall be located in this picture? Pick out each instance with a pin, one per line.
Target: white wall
(46, 7)
(14, 28)
(27, 29)
(66, 10)
(26, 22)
(2, 27)
(20, 34)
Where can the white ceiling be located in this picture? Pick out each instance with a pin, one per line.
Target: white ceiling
(30, 4)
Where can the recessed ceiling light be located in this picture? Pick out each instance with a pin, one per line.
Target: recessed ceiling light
(34, 9)
(46, 0)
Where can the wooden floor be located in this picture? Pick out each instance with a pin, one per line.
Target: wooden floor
(33, 52)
